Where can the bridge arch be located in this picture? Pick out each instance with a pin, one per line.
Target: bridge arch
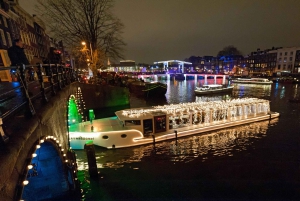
(49, 173)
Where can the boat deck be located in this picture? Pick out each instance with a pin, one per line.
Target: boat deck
(100, 125)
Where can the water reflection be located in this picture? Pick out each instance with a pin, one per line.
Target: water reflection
(286, 91)
(251, 90)
(225, 142)
(183, 91)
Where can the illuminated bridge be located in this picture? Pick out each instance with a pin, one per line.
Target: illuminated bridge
(184, 76)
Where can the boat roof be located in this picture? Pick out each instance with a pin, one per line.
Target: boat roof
(253, 78)
(181, 108)
(212, 85)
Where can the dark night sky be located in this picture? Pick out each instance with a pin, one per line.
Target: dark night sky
(177, 29)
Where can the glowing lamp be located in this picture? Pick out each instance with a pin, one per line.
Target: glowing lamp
(25, 182)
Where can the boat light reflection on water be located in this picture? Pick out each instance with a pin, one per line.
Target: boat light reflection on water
(224, 142)
(251, 90)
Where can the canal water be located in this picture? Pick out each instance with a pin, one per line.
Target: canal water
(257, 161)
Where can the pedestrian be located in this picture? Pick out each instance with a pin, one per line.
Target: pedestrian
(54, 56)
(16, 53)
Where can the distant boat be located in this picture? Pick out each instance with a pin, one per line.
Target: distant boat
(251, 81)
(147, 89)
(213, 89)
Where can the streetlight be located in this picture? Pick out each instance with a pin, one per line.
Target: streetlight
(85, 48)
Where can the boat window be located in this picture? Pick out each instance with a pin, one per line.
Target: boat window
(132, 122)
(105, 137)
(123, 136)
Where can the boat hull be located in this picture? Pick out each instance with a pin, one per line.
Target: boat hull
(142, 89)
(122, 137)
(216, 91)
(245, 82)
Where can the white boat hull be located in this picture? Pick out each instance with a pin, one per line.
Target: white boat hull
(215, 91)
(122, 137)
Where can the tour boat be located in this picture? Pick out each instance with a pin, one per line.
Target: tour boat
(251, 81)
(212, 89)
(132, 127)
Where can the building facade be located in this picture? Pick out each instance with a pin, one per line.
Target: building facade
(16, 23)
(287, 60)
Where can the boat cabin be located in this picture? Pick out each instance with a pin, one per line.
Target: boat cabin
(161, 119)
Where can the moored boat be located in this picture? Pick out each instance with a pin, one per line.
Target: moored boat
(132, 127)
(212, 89)
(251, 81)
(147, 89)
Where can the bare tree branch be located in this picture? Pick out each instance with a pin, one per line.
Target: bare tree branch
(91, 21)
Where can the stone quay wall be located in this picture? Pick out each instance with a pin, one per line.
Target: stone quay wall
(50, 120)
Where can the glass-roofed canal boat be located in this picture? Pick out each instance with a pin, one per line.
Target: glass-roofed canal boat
(132, 127)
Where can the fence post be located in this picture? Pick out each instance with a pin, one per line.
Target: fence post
(66, 72)
(60, 72)
(58, 76)
(41, 81)
(4, 138)
(30, 111)
(50, 78)
(63, 75)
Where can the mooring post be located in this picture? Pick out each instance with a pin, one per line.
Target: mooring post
(175, 136)
(90, 153)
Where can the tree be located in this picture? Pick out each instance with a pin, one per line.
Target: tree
(229, 51)
(92, 21)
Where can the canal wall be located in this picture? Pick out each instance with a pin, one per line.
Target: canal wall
(50, 120)
(25, 134)
(104, 96)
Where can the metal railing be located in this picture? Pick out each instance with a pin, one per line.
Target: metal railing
(29, 84)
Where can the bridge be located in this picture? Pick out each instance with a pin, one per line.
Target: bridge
(185, 76)
(36, 159)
